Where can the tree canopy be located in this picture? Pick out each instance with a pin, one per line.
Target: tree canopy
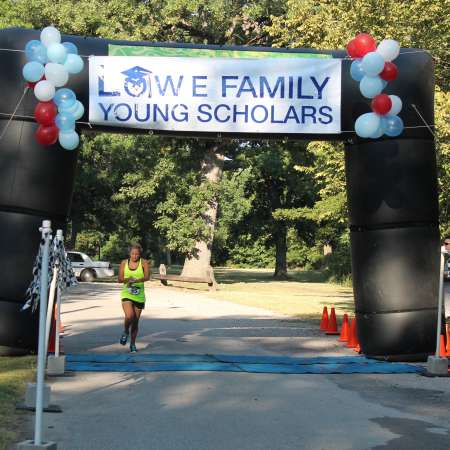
(275, 199)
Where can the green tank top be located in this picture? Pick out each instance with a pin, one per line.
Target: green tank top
(135, 291)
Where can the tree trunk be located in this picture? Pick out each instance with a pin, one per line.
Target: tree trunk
(281, 252)
(168, 257)
(197, 264)
(75, 228)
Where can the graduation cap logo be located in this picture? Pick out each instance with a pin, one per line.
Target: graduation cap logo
(136, 81)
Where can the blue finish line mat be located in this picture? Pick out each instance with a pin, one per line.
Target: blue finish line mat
(232, 363)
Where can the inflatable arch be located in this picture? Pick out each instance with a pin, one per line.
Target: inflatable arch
(391, 188)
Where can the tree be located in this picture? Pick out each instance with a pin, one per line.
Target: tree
(198, 260)
(276, 186)
(153, 188)
(418, 23)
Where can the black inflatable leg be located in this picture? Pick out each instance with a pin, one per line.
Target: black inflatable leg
(393, 212)
(36, 184)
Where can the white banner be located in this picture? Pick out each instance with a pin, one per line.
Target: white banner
(216, 95)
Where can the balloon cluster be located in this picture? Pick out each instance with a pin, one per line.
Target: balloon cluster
(49, 64)
(373, 68)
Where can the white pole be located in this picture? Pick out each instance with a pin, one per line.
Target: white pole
(59, 237)
(58, 320)
(45, 230)
(51, 301)
(441, 295)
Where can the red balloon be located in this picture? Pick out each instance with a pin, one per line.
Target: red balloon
(351, 49)
(32, 84)
(45, 113)
(381, 104)
(389, 72)
(364, 44)
(47, 135)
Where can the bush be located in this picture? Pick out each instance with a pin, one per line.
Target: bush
(251, 253)
(89, 242)
(338, 264)
(115, 249)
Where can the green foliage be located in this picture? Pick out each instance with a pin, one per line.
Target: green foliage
(196, 21)
(250, 252)
(150, 189)
(322, 24)
(298, 254)
(115, 248)
(89, 242)
(338, 263)
(183, 223)
(15, 373)
(443, 153)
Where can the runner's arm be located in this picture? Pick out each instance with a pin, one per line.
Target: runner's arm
(146, 267)
(121, 277)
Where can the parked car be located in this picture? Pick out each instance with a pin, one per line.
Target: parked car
(87, 270)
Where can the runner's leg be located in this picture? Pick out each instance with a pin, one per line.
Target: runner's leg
(128, 309)
(135, 324)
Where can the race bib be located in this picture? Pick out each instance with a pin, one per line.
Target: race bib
(133, 290)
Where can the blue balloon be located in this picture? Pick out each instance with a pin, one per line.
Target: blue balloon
(65, 122)
(370, 86)
(65, 98)
(69, 140)
(74, 63)
(378, 133)
(79, 111)
(35, 51)
(356, 70)
(30, 47)
(385, 83)
(372, 64)
(367, 124)
(67, 107)
(392, 125)
(57, 53)
(71, 48)
(33, 71)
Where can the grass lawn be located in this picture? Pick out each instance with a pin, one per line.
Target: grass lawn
(15, 372)
(304, 295)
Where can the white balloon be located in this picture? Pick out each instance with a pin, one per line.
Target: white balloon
(44, 91)
(56, 74)
(388, 49)
(50, 35)
(396, 105)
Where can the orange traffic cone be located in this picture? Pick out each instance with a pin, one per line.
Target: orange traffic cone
(357, 347)
(352, 340)
(324, 321)
(51, 340)
(345, 330)
(442, 350)
(332, 324)
(61, 326)
(448, 339)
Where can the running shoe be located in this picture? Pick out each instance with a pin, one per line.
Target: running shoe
(124, 338)
(133, 348)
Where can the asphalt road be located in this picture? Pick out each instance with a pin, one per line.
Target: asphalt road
(238, 411)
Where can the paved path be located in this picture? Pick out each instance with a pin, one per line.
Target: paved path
(202, 411)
